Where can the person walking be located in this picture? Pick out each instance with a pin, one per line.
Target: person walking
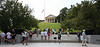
(2, 38)
(26, 37)
(48, 34)
(79, 36)
(59, 36)
(13, 34)
(84, 38)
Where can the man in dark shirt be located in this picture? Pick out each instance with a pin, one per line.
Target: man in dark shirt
(13, 34)
(79, 36)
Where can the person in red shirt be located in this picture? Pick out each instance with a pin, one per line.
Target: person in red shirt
(30, 34)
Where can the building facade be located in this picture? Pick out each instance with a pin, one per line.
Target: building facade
(50, 19)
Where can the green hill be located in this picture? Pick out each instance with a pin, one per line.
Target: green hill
(49, 25)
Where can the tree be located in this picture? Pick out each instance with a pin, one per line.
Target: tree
(14, 15)
(84, 16)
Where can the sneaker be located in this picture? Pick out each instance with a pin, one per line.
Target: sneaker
(23, 43)
(59, 42)
(85, 45)
(26, 44)
(82, 45)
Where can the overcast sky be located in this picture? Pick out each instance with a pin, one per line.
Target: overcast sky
(51, 6)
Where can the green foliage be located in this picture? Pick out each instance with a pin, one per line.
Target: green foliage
(83, 16)
(41, 21)
(14, 15)
(62, 15)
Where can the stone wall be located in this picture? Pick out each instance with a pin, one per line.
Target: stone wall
(93, 39)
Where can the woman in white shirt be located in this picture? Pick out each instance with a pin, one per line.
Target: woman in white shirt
(8, 36)
(42, 34)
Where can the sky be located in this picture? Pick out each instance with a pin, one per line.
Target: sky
(51, 6)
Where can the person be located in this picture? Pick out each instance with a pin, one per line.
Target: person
(37, 32)
(26, 37)
(48, 34)
(55, 36)
(79, 36)
(59, 36)
(42, 33)
(45, 33)
(2, 38)
(55, 30)
(13, 34)
(30, 34)
(68, 32)
(51, 31)
(60, 30)
(8, 37)
(23, 36)
(84, 38)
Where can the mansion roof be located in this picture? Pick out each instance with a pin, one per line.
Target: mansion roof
(51, 16)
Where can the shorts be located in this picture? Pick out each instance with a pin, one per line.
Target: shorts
(53, 32)
(30, 35)
(55, 37)
(48, 34)
(45, 35)
(41, 36)
(59, 38)
(26, 38)
(8, 38)
(2, 38)
(13, 37)
(84, 40)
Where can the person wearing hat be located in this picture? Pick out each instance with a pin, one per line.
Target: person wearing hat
(26, 37)
(84, 38)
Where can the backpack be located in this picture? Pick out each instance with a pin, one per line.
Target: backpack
(59, 35)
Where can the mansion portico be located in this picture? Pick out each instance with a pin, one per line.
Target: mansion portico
(50, 19)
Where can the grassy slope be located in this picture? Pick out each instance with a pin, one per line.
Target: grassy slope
(49, 25)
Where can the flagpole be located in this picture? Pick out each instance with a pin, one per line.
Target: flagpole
(44, 10)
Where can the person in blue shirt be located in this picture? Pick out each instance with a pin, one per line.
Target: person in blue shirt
(84, 38)
(26, 37)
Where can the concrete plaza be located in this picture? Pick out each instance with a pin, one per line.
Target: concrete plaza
(50, 45)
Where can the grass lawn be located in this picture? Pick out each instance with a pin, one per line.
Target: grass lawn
(54, 26)
(49, 25)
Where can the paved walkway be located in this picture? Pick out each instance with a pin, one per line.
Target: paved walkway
(50, 45)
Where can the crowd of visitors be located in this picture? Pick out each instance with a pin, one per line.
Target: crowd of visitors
(9, 37)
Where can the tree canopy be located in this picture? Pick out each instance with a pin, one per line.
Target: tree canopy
(14, 15)
(83, 16)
